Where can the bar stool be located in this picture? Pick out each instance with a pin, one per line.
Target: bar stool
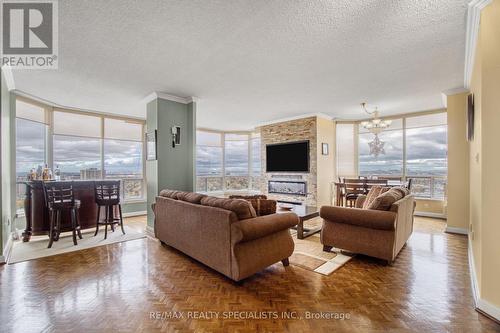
(59, 198)
(107, 195)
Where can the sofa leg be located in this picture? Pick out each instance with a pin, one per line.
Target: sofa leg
(327, 248)
(285, 262)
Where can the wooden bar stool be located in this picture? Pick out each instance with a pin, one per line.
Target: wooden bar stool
(59, 198)
(107, 195)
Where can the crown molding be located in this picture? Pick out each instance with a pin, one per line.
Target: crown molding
(168, 97)
(302, 116)
(48, 103)
(450, 92)
(455, 91)
(473, 19)
(9, 77)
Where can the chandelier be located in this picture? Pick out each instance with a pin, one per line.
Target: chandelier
(376, 125)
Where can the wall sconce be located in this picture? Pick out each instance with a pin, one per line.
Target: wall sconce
(176, 136)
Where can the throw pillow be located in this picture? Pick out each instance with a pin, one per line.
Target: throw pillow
(385, 200)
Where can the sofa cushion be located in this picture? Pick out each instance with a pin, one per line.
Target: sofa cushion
(172, 194)
(192, 197)
(242, 208)
(374, 192)
(385, 200)
(246, 197)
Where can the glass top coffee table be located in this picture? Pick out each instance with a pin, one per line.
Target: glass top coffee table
(304, 213)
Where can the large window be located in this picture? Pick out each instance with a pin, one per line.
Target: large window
(391, 162)
(236, 161)
(82, 146)
(77, 145)
(256, 177)
(77, 158)
(209, 160)
(123, 155)
(415, 148)
(31, 131)
(426, 154)
(93, 147)
(227, 161)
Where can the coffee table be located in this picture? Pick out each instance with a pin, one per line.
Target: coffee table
(304, 213)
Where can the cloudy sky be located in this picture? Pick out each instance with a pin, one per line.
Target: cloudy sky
(73, 154)
(426, 152)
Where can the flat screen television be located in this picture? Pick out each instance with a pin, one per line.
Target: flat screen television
(288, 157)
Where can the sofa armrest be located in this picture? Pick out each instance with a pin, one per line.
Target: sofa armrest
(360, 201)
(258, 227)
(374, 219)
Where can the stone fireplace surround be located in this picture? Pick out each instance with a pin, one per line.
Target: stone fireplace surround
(317, 129)
(291, 131)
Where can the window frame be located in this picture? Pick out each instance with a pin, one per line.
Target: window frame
(49, 138)
(251, 135)
(405, 175)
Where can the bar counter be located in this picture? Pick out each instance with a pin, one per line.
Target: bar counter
(37, 214)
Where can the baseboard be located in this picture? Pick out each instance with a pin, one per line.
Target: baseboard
(455, 230)
(139, 213)
(150, 231)
(433, 215)
(481, 305)
(6, 251)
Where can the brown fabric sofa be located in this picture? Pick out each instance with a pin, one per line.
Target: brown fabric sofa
(373, 232)
(225, 234)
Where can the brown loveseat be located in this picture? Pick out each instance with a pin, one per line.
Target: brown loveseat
(225, 234)
(378, 229)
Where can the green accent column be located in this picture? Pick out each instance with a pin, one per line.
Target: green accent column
(174, 167)
(8, 162)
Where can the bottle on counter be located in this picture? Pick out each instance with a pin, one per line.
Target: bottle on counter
(45, 173)
(39, 173)
(57, 173)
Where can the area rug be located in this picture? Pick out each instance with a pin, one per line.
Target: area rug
(309, 254)
(35, 249)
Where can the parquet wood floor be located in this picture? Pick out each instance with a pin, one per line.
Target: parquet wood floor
(116, 288)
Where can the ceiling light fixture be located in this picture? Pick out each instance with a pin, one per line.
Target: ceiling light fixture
(376, 125)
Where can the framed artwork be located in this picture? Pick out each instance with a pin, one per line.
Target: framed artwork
(470, 117)
(151, 146)
(324, 148)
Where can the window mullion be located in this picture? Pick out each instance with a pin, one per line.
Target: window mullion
(49, 138)
(103, 174)
(404, 149)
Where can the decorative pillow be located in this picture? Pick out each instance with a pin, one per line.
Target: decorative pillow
(374, 192)
(267, 207)
(242, 208)
(385, 200)
(259, 202)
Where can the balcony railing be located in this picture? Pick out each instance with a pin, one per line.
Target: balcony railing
(429, 187)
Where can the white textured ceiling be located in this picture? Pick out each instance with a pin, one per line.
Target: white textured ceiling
(254, 61)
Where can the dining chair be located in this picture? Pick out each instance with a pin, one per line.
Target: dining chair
(353, 188)
(369, 183)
